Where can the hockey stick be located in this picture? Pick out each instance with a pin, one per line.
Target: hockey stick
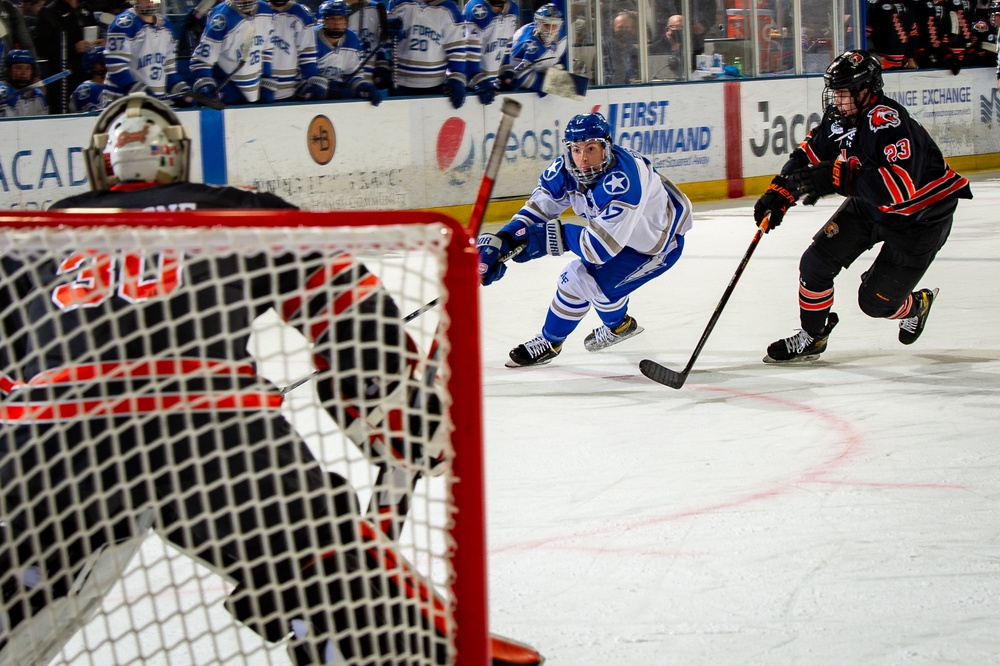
(47, 80)
(509, 110)
(394, 485)
(383, 27)
(673, 379)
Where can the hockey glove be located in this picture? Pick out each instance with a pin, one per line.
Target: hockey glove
(267, 89)
(776, 200)
(136, 87)
(312, 88)
(455, 90)
(368, 91)
(485, 91)
(542, 238)
(395, 28)
(819, 180)
(491, 249)
(206, 88)
(507, 80)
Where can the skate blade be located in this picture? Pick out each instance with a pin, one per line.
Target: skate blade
(512, 364)
(798, 360)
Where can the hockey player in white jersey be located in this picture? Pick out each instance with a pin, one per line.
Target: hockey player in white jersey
(235, 52)
(492, 24)
(293, 62)
(92, 95)
(430, 57)
(537, 46)
(16, 99)
(635, 225)
(141, 52)
(339, 56)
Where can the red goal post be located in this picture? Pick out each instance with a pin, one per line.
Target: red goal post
(417, 256)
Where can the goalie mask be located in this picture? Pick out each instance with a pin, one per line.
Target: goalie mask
(588, 139)
(859, 73)
(548, 23)
(245, 7)
(137, 139)
(147, 7)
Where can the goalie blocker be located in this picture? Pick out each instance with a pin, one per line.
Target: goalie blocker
(139, 403)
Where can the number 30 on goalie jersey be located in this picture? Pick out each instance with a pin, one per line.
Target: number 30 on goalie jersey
(97, 279)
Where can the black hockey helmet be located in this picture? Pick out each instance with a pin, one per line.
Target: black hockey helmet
(860, 72)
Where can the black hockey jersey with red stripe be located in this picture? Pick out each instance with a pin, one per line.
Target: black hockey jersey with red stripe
(897, 171)
(892, 31)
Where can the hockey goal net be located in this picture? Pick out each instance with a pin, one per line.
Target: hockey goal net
(224, 441)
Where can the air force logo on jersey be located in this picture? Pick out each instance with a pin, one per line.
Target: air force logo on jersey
(479, 12)
(531, 48)
(616, 183)
(883, 116)
(124, 20)
(554, 169)
(218, 23)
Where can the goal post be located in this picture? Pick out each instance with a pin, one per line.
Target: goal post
(194, 408)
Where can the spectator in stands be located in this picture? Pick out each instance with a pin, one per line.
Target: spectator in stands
(29, 12)
(16, 98)
(891, 30)
(704, 22)
(14, 31)
(621, 50)
(60, 41)
(671, 44)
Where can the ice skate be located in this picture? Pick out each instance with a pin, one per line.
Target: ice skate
(801, 346)
(604, 337)
(911, 327)
(537, 351)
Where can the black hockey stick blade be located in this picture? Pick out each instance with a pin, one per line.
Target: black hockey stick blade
(662, 374)
(668, 377)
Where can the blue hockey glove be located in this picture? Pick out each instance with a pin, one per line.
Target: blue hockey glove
(776, 200)
(819, 180)
(455, 91)
(206, 88)
(368, 91)
(485, 90)
(312, 88)
(542, 238)
(491, 249)
(394, 27)
(507, 80)
(267, 89)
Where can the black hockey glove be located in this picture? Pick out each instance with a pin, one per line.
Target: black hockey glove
(819, 180)
(776, 200)
(455, 91)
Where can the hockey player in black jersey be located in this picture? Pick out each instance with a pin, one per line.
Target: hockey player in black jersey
(899, 191)
(106, 431)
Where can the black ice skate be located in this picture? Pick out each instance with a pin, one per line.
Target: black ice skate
(801, 346)
(604, 337)
(537, 351)
(911, 327)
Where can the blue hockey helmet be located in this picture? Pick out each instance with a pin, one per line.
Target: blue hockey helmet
(581, 129)
(333, 8)
(92, 58)
(20, 57)
(548, 23)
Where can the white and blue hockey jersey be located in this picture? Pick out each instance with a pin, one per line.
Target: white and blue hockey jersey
(220, 53)
(495, 30)
(90, 96)
(434, 47)
(630, 205)
(530, 57)
(294, 48)
(17, 104)
(340, 62)
(137, 52)
(366, 22)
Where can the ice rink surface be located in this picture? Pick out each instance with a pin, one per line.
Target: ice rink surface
(841, 512)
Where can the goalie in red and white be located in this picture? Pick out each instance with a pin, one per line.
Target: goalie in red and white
(132, 403)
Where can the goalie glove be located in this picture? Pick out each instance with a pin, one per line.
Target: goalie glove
(819, 180)
(776, 201)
